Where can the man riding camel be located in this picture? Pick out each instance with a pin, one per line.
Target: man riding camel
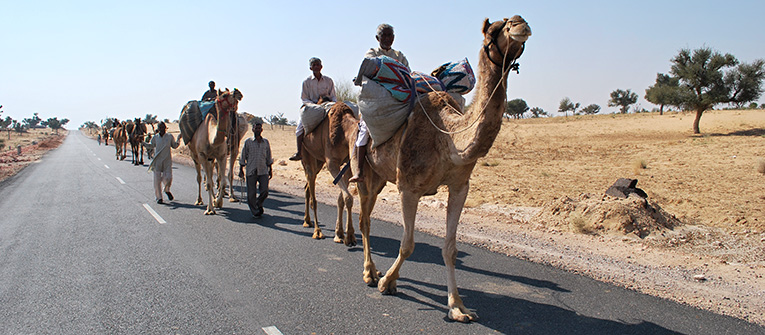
(315, 87)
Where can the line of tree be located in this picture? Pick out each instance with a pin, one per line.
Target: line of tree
(516, 108)
(33, 122)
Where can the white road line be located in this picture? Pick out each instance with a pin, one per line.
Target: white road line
(106, 166)
(154, 214)
(272, 330)
(99, 159)
(120, 180)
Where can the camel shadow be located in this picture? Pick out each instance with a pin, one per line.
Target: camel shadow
(756, 132)
(429, 254)
(509, 315)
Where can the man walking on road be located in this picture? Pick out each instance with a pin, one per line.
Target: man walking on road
(256, 156)
(162, 164)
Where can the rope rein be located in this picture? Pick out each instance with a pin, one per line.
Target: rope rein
(512, 66)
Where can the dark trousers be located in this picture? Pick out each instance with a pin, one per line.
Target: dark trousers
(257, 185)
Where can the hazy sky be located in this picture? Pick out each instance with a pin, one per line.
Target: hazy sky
(86, 60)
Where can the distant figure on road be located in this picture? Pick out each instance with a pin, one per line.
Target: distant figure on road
(256, 157)
(99, 139)
(162, 164)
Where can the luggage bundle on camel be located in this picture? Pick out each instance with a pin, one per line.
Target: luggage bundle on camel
(389, 91)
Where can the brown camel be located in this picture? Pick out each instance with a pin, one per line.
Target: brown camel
(120, 139)
(318, 149)
(440, 145)
(208, 146)
(235, 135)
(135, 137)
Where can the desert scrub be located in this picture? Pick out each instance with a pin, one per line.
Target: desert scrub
(639, 164)
(761, 166)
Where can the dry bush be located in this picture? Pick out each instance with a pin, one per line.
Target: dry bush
(761, 166)
(639, 164)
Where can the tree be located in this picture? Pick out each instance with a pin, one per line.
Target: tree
(56, 124)
(346, 91)
(32, 122)
(278, 120)
(515, 108)
(666, 91)
(745, 82)
(537, 112)
(591, 109)
(567, 106)
(6, 124)
(623, 99)
(150, 120)
(701, 74)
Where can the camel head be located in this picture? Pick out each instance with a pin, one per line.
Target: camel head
(504, 40)
(228, 101)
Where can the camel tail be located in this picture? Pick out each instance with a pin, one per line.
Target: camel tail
(335, 115)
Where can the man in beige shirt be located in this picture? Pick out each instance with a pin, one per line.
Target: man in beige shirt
(315, 87)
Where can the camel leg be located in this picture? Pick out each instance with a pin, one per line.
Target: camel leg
(409, 200)
(317, 233)
(199, 184)
(221, 179)
(344, 202)
(307, 216)
(339, 233)
(231, 162)
(208, 167)
(457, 310)
(368, 192)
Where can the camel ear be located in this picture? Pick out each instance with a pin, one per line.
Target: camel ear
(486, 25)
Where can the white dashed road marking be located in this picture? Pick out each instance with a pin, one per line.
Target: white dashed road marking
(272, 330)
(154, 214)
(106, 166)
(120, 180)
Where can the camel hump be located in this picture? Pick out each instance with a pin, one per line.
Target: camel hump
(190, 119)
(335, 118)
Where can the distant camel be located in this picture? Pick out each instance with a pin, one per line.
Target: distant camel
(208, 146)
(135, 138)
(120, 138)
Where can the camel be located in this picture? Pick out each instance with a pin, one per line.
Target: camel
(120, 138)
(318, 149)
(135, 138)
(235, 134)
(439, 145)
(208, 146)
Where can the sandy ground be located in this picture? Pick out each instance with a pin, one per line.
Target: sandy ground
(698, 239)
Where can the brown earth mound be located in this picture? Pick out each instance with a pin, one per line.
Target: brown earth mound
(592, 214)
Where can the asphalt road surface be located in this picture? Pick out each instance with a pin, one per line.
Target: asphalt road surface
(84, 249)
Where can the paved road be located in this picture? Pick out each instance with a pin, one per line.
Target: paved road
(81, 253)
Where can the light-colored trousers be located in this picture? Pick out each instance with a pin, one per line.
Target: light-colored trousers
(162, 177)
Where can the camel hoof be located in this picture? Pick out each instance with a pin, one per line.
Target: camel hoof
(387, 287)
(307, 225)
(350, 241)
(198, 203)
(338, 239)
(209, 212)
(455, 314)
(318, 235)
(232, 199)
(371, 281)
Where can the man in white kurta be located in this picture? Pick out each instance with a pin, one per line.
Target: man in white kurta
(385, 37)
(162, 164)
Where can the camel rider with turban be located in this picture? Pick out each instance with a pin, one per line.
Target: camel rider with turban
(315, 87)
(385, 37)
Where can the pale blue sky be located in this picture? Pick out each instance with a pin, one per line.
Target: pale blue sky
(86, 60)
